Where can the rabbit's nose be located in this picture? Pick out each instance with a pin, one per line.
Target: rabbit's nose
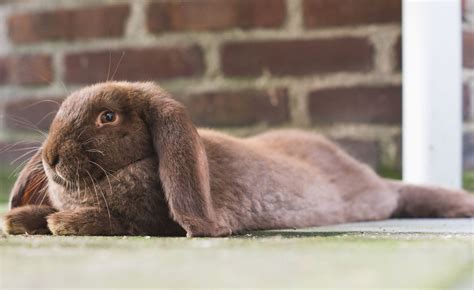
(53, 160)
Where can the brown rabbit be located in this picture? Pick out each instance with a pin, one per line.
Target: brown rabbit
(125, 159)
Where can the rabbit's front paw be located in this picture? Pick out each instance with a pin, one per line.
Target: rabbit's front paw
(211, 231)
(63, 223)
(29, 219)
(85, 222)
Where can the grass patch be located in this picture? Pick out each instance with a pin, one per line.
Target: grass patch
(6, 181)
(468, 181)
(390, 173)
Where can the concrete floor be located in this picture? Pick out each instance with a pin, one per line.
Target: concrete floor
(440, 226)
(408, 254)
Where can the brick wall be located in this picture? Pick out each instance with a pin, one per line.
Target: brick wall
(242, 65)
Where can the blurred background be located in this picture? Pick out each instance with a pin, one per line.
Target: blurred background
(242, 66)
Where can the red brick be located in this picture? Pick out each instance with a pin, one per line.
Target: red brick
(327, 13)
(398, 140)
(356, 105)
(26, 70)
(172, 15)
(367, 151)
(467, 11)
(398, 55)
(239, 108)
(93, 22)
(468, 151)
(14, 1)
(296, 57)
(4, 70)
(139, 64)
(466, 102)
(463, 9)
(30, 114)
(468, 49)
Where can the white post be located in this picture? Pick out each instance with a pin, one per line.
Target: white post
(432, 84)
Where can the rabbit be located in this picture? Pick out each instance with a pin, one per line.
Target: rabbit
(124, 158)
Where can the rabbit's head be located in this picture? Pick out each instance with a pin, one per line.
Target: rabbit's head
(99, 129)
(108, 126)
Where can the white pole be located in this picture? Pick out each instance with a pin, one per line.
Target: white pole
(432, 84)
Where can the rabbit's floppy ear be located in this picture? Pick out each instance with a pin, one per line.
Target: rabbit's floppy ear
(31, 185)
(183, 166)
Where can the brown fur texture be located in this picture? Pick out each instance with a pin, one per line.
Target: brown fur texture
(151, 172)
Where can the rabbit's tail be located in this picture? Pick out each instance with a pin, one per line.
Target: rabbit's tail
(431, 202)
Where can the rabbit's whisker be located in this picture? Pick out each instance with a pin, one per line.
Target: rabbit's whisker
(17, 169)
(80, 134)
(110, 185)
(108, 70)
(79, 192)
(90, 140)
(95, 190)
(106, 203)
(106, 174)
(43, 101)
(106, 206)
(33, 169)
(86, 192)
(44, 194)
(64, 87)
(105, 170)
(23, 155)
(99, 166)
(118, 64)
(46, 116)
(10, 146)
(77, 178)
(26, 148)
(34, 187)
(96, 151)
(29, 125)
(78, 181)
(37, 167)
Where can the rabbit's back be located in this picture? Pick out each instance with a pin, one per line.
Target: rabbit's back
(287, 178)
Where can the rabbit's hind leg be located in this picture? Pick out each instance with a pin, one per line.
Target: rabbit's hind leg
(430, 201)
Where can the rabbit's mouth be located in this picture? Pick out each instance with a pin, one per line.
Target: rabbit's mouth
(58, 179)
(55, 176)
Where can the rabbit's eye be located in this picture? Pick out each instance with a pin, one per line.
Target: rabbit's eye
(107, 117)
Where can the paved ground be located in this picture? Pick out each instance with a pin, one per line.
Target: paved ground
(440, 226)
(410, 254)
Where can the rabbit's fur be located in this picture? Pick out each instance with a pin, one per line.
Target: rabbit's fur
(153, 173)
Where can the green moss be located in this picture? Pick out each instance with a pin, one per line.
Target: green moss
(468, 180)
